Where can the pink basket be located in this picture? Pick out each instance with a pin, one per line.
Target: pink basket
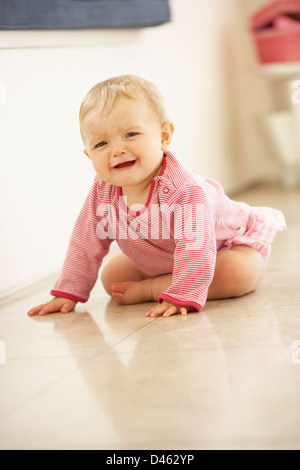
(276, 31)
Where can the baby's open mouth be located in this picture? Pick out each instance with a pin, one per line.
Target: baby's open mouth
(125, 164)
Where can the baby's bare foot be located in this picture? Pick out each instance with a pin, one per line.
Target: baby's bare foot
(132, 292)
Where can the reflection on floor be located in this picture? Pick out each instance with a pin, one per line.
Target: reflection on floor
(106, 377)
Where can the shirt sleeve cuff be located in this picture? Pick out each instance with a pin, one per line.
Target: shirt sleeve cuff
(66, 295)
(195, 306)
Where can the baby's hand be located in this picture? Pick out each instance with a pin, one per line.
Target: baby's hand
(58, 304)
(166, 309)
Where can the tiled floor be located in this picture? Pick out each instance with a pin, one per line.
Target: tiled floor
(106, 377)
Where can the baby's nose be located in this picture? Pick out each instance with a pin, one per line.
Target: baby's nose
(118, 150)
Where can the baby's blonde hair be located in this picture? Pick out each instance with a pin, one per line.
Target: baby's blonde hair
(104, 94)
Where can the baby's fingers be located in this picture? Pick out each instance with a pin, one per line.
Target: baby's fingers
(48, 308)
(66, 308)
(167, 309)
(170, 311)
(55, 305)
(162, 310)
(35, 310)
(156, 311)
(147, 314)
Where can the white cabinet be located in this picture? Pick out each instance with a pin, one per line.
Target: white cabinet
(282, 124)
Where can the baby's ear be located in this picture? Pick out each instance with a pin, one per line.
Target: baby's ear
(86, 153)
(167, 130)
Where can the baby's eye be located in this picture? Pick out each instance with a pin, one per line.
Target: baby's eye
(131, 134)
(100, 144)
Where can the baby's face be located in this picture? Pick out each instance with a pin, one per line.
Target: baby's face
(125, 145)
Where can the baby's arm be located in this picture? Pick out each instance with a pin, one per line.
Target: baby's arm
(58, 304)
(82, 262)
(194, 256)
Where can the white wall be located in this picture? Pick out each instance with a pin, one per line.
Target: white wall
(197, 61)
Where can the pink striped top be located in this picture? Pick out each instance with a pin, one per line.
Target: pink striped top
(186, 219)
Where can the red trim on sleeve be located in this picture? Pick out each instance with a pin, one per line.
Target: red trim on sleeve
(66, 295)
(196, 307)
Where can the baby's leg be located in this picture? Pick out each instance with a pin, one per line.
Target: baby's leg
(127, 285)
(238, 271)
(119, 269)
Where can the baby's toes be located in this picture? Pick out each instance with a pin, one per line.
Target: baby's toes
(118, 287)
(118, 297)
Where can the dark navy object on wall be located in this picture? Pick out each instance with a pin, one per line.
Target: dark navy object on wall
(70, 14)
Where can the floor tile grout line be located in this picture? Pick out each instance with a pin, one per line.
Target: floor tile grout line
(68, 374)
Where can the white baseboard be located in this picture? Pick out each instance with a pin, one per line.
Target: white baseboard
(44, 277)
(48, 277)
